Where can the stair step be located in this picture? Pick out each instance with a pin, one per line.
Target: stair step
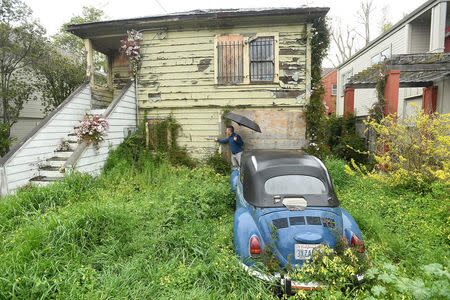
(65, 154)
(72, 138)
(97, 111)
(43, 180)
(56, 162)
(50, 172)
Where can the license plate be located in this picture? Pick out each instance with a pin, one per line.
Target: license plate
(304, 251)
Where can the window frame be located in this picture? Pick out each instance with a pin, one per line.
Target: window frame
(246, 53)
(334, 89)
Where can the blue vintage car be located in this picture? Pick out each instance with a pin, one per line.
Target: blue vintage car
(291, 194)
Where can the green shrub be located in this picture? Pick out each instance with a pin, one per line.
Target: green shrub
(220, 165)
(5, 139)
(414, 151)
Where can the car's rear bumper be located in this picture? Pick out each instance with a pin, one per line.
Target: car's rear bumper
(288, 285)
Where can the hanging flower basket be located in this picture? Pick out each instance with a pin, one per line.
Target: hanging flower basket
(92, 130)
(131, 48)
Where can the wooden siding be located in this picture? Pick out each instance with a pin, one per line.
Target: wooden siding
(364, 98)
(121, 119)
(178, 77)
(101, 96)
(23, 165)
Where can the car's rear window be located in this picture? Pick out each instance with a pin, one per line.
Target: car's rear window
(294, 185)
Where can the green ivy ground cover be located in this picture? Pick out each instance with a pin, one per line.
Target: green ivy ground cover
(148, 230)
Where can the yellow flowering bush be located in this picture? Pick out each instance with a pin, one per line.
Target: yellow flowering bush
(412, 150)
(334, 268)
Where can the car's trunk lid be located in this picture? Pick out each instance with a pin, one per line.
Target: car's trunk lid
(294, 234)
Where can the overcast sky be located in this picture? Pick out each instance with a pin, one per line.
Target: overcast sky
(53, 13)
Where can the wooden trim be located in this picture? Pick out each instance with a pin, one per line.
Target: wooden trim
(44, 122)
(90, 68)
(216, 58)
(246, 61)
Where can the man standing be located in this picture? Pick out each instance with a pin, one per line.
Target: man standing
(236, 143)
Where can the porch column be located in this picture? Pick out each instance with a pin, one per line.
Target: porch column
(429, 99)
(349, 101)
(437, 28)
(109, 73)
(90, 68)
(391, 92)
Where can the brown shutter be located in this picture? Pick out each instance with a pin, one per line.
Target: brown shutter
(230, 61)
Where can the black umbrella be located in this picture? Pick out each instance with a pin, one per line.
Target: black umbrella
(243, 121)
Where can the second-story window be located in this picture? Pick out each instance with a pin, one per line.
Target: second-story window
(262, 59)
(230, 62)
(334, 90)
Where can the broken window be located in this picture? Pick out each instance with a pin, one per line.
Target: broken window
(230, 62)
(262, 59)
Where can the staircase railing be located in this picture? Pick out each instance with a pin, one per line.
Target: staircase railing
(21, 163)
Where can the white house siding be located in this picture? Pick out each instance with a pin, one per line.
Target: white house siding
(23, 164)
(121, 120)
(443, 103)
(364, 98)
(420, 37)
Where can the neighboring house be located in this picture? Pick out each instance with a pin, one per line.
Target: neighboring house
(30, 116)
(414, 75)
(199, 64)
(329, 81)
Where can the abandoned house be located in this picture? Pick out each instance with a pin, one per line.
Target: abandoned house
(198, 64)
(195, 67)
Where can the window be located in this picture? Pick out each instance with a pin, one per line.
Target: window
(385, 54)
(334, 90)
(230, 64)
(379, 57)
(294, 185)
(262, 59)
(242, 60)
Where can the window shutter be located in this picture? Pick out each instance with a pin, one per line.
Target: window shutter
(230, 62)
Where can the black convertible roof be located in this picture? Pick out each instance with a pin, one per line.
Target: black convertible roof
(260, 165)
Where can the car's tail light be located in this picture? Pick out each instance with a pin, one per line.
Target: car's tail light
(358, 244)
(255, 246)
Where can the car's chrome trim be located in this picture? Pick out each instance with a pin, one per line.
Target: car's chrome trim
(277, 278)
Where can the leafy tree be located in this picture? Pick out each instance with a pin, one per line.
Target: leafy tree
(72, 44)
(64, 66)
(21, 41)
(60, 76)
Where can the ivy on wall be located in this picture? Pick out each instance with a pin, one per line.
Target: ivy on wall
(376, 112)
(314, 112)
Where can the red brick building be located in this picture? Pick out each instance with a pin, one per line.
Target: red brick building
(329, 81)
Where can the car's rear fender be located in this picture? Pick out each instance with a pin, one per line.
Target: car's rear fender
(244, 229)
(350, 226)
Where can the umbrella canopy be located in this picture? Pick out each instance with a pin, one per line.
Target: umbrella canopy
(243, 121)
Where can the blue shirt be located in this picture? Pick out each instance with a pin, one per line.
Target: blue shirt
(235, 146)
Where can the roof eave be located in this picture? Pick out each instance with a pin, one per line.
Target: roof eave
(391, 30)
(79, 29)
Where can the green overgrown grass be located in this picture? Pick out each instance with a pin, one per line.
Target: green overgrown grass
(145, 229)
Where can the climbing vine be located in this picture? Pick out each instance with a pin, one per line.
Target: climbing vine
(314, 112)
(376, 112)
(166, 132)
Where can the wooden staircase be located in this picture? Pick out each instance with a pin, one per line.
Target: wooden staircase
(52, 169)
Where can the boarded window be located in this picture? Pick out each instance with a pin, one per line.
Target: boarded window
(262, 59)
(230, 60)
